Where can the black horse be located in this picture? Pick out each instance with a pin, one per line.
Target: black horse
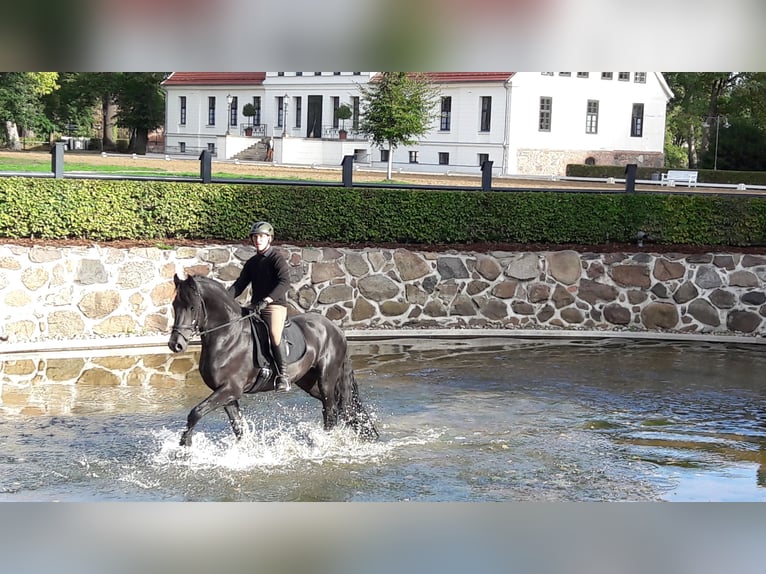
(235, 357)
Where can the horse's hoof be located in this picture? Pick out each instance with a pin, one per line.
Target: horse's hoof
(185, 440)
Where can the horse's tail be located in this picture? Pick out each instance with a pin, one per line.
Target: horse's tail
(354, 412)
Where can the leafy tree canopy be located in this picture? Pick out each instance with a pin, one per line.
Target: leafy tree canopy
(397, 108)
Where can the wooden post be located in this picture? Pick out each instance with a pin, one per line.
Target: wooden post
(630, 177)
(205, 166)
(486, 175)
(348, 170)
(57, 160)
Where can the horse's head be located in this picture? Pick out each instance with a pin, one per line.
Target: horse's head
(189, 312)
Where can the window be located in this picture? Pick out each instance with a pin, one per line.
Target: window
(357, 73)
(355, 108)
(335, 106)
(211, 147)
(257, 106)
(384, 155)
(443, 158)
(182, 147)
(486, 113)
(280, 74)
(583, 74)
(336, 73)
(546, 73)
(623, 76)
(298, 73)
(482, 158)
(280, 111)
(298, 110)
(233, 111)
(211, 110)
(565, 74)
(591, 117)
(606, 75)
(446, 115)
(546, 111)
(317, 73)
(639, 77)
(590, 160)
(637, 121)
(182, 117)
(413, 157)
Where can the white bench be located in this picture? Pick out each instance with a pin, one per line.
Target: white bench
(674, 176)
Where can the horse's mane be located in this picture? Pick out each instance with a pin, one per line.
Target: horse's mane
(205, 285)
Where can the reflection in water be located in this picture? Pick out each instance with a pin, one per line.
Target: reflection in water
(485, 420)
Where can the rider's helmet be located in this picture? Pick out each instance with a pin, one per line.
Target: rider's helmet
(262, 227)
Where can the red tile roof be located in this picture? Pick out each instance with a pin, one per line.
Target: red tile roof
(256, 78)
(214, 78)
(452, 77)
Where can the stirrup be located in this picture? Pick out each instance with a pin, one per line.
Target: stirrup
(281, 384)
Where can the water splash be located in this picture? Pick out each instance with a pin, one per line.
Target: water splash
(276, 444)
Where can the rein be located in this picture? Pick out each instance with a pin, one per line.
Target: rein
(194, 327)
(242, 318)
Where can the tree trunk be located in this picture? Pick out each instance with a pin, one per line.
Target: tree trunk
(107, 122)
(692, 149)
(140, 140)
(12, 132)
(389, 171)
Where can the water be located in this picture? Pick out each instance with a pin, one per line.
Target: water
(485, 420)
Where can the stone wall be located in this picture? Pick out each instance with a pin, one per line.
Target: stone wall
(547, 162)
(98, 291)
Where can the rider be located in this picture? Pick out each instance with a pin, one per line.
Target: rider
(268, 275)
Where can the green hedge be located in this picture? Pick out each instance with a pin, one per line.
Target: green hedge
(108, 210)
(703, 175)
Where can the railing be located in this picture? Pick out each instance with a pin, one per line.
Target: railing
(188, 150)
(252, 130)
(334, 133)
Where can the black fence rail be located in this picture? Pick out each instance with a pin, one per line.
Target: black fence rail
(347, 169)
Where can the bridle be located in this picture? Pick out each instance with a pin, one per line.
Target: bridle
(194, 327)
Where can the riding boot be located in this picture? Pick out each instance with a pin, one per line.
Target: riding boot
(282, 383)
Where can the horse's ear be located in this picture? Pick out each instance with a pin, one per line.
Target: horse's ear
(176, 279)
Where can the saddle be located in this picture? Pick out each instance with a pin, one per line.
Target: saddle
(295, 345)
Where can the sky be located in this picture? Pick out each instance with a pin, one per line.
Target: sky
(401, 35)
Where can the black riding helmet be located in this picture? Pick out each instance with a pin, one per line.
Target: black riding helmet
(262, 227)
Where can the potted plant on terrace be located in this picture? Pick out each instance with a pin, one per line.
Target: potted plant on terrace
(248, 110)
(344, 113)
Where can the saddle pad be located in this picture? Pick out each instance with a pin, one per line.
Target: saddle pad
(296, 343)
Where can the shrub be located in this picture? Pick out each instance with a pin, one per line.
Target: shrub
(110, 210)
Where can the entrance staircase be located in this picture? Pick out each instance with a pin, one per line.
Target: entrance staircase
(256, 152)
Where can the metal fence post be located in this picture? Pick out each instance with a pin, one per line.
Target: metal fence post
(348, 170)
(486, 175)
(205, 166)
(57, 160)
(630, 177)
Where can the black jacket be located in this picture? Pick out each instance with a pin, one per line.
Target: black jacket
(268, 275)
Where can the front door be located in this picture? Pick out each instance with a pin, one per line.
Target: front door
(314, 117)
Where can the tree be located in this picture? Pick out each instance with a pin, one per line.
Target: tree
(344, 113)
(101, 88)
(71, 108)
(141, 106)
(248, 110)
(21, 102)
(397, 107)
(706, 102)
(740, 147)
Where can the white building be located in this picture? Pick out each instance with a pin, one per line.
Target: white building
(529, 123)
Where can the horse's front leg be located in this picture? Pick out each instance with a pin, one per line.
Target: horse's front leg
(220, 397)
(235, 418)
(329, 407)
